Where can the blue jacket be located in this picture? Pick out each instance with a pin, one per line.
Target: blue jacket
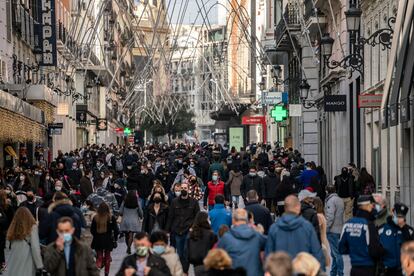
(244, 244)
(294, 234)
(306, 177)
(391, 238)
(360, 240)
(219, 215)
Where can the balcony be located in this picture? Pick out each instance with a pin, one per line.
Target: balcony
(289, 23)
(315, 20)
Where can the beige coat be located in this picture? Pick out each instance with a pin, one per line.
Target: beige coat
(173, 261)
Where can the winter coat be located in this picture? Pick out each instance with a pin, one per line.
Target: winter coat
(294, 234)
(196, 250)
(360, 240)
(223, 272)
(284, 189)
(74, 177)
(131, 219)
(86, 187)
(309, 213)
(214, 189)
(173, 261)
(56, 210)
(181, 215)
(234, 182)
(151, 218)
(270, 183)
(103, 195)
(25, 256)
(261, 214)
(82, 262)
(133, 180)
(219, 215)
(244, 244)
(156, 263)
(145, 185)
(334, 212)
(345, 187)
(306, 177)
(103, 241)
(251, 183)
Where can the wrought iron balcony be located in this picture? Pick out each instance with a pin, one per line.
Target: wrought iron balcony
(289, 23)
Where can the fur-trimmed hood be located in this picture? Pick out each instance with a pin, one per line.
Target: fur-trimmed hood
(53, 205)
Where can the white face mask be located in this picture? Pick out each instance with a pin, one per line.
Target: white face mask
(177, 194)
(22, 177)
(58, 188)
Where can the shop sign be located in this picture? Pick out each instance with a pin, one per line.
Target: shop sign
(274, 98)
(369, 101)
(55, 125)
(102, 124)
(253, 120)
(335, 103)
(236, 137)
(46, 34)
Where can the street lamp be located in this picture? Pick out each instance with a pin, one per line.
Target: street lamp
(304, 88)
(355, 60)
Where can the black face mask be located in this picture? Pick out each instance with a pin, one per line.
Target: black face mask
(184, 193)
(157, 199)
(30, 198)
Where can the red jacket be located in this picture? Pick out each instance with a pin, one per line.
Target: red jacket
(213, 190)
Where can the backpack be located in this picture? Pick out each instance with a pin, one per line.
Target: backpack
(118, 165)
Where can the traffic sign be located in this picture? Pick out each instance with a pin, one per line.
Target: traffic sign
(279, 113)
(273, 98)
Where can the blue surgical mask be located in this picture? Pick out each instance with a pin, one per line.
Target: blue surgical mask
(378, 208)
(67, 237)
(395, 219)
(158, 249)
(214, 177)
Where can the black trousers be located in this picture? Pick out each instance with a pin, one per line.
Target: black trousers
(271, 204)
(395, 271)
(363, 270)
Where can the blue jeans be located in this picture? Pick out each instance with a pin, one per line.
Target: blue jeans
(180, 245)
(235, 200)
(143, 202)
(337, 267)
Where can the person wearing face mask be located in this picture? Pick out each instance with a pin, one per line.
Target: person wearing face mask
(174, 192)
(164, 175)
(216, 166)
(360, 239)
(183, 210)
(67, 255)
(251, 182)
(74, 175)
(156, 214)
(381, 210)
(86, 187)
(270, 183)
(392, 235)
(214, 187)
(32, 203)
(22, 182)
(145, 180)
(345, 187)
(182, 172)
(143, 261)
(24, 258)
(99, 168)
(159, 241)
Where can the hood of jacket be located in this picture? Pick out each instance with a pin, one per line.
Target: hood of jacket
(236, 174)
(243, 232)
(290, 222)
(101, 192)
(63, 206)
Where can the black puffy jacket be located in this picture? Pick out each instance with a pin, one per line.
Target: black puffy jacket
(270, 183)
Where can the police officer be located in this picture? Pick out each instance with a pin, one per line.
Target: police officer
(392, 235)
(360, 239)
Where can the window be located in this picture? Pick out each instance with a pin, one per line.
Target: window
(8, 19)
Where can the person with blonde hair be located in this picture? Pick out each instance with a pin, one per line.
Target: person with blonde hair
(25, 257)
(218, 263)
(278, 264)
(305, 264)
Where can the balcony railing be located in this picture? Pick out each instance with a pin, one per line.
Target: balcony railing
(290, 17)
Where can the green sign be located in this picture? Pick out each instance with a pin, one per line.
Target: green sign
(127, 131)
(279, 113)
(236, 137)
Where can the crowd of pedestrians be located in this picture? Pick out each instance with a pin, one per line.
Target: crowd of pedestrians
(197, 209)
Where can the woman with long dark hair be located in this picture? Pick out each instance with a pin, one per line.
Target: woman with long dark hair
(104, 230)
(156, 214)
(201, 239)
(132, 215)
(23, 235)
(366, 182)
